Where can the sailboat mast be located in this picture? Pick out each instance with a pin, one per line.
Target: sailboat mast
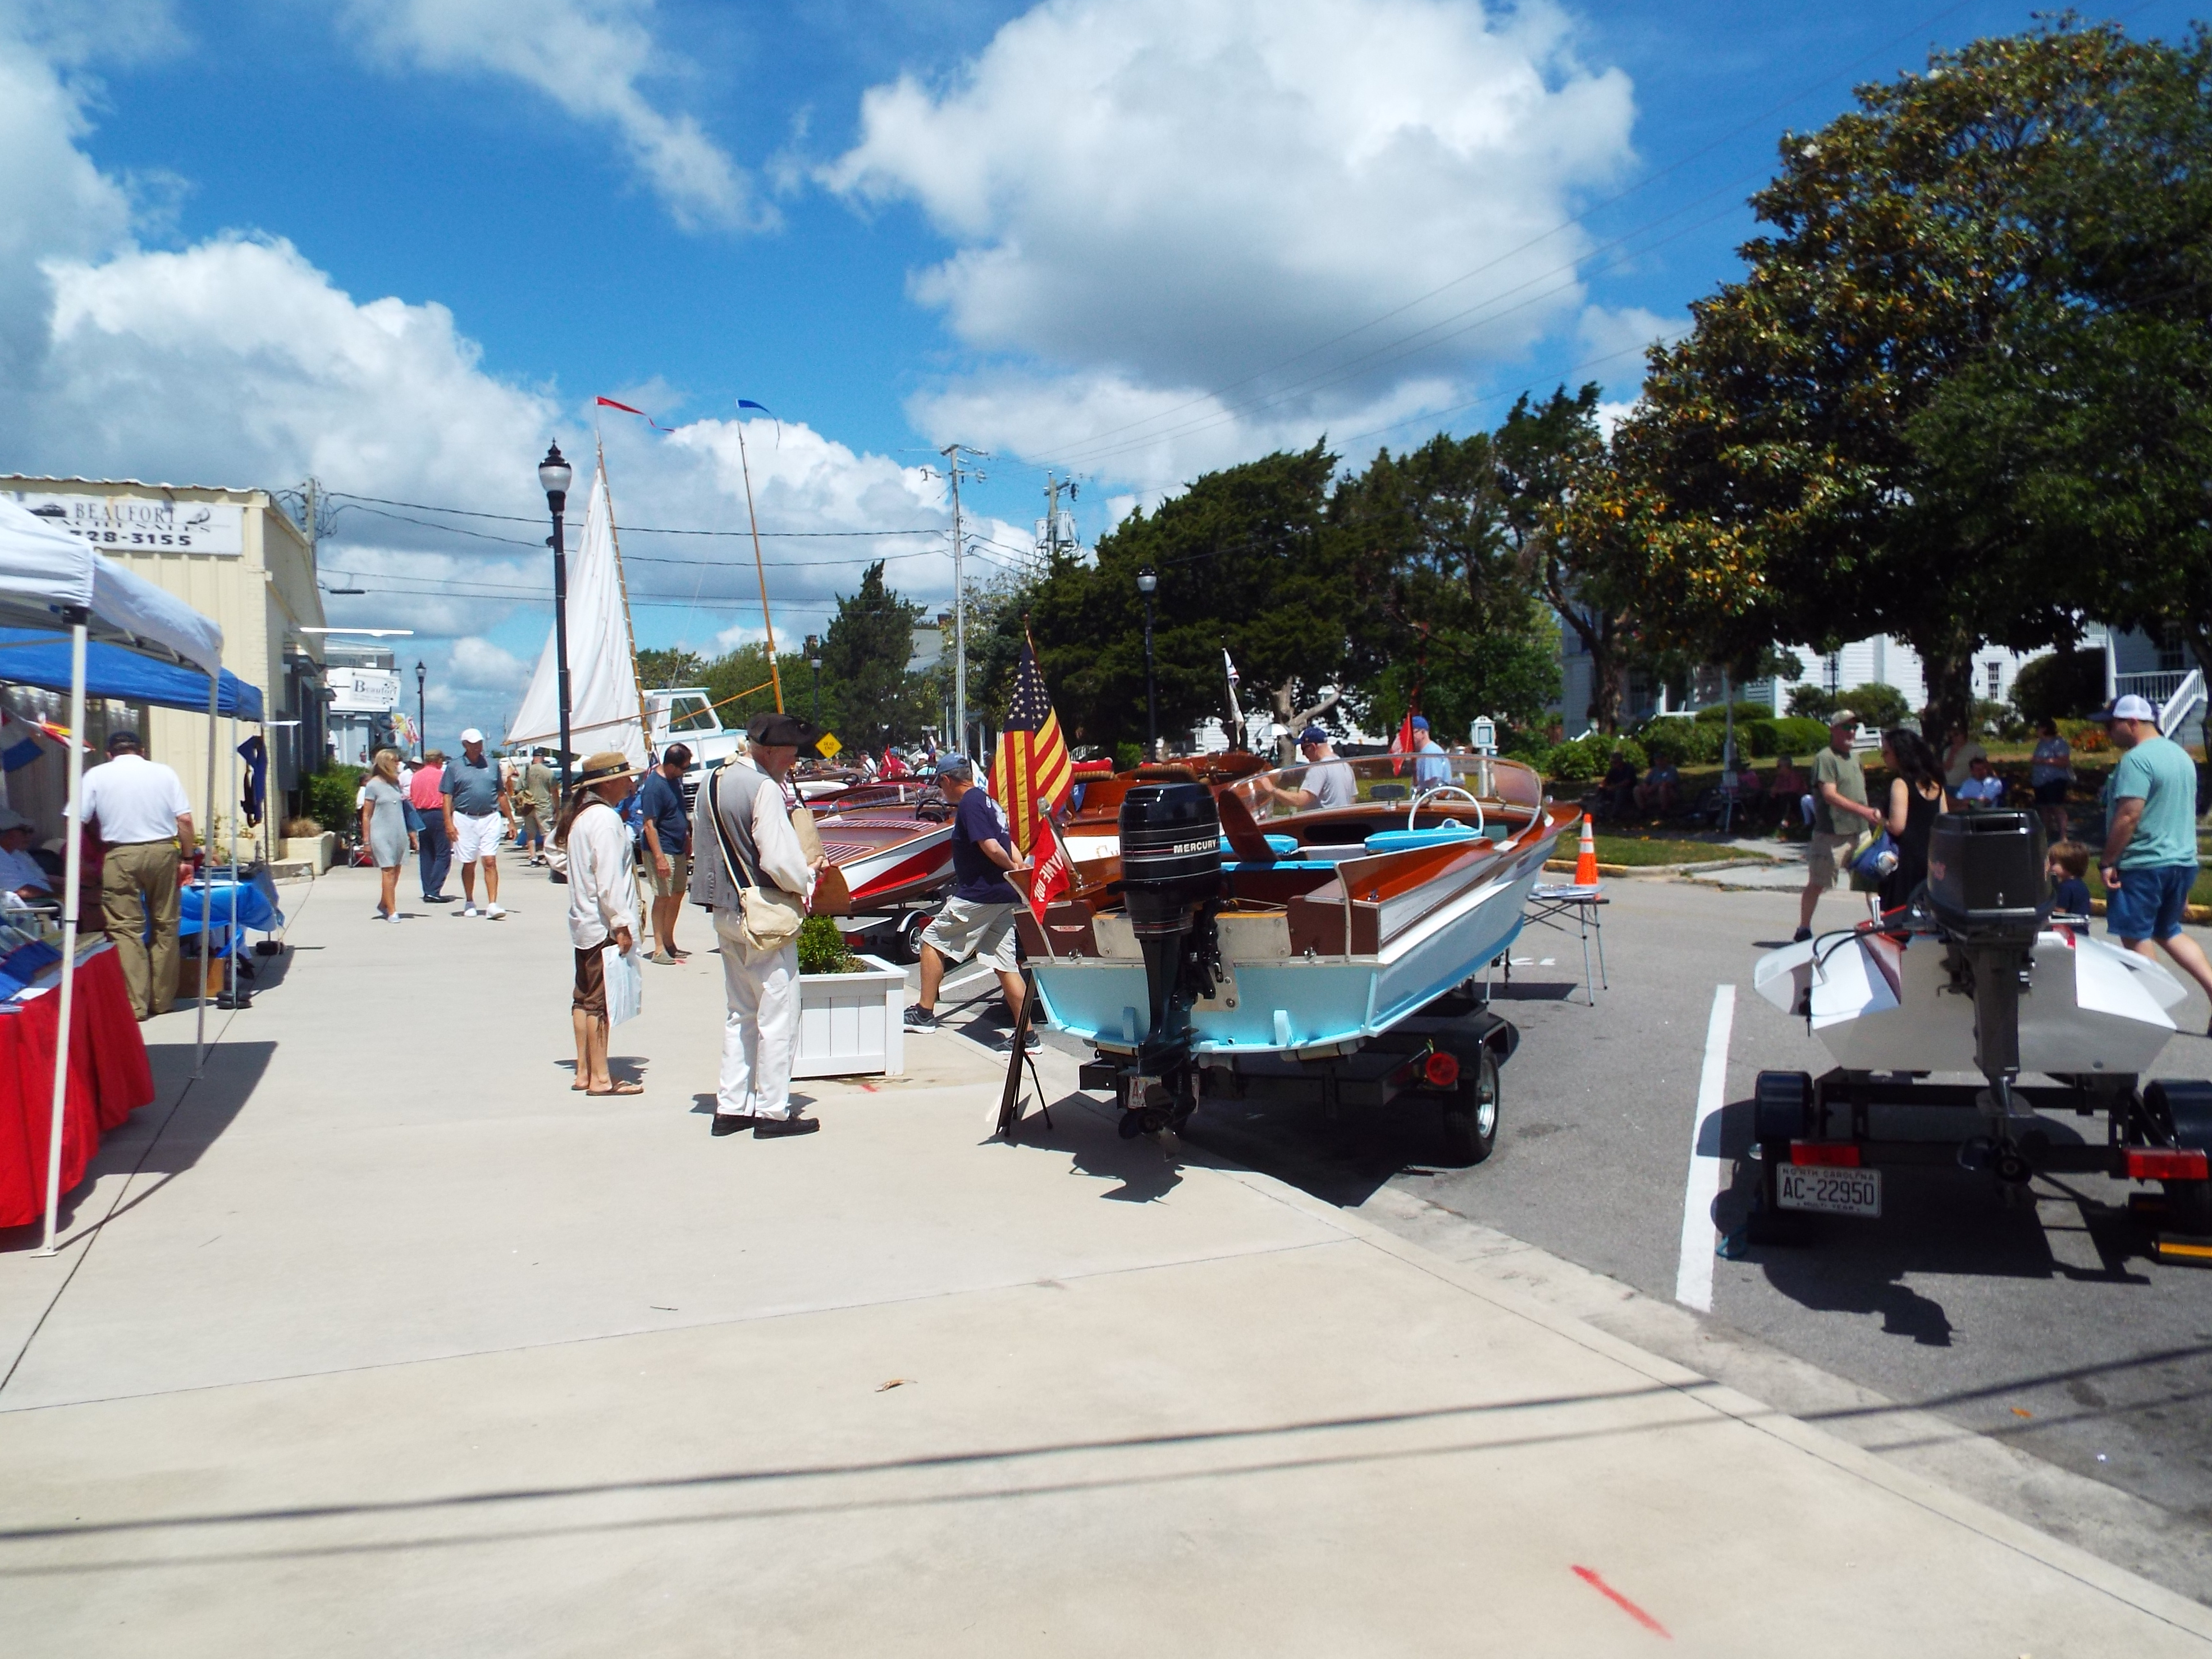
(774, 674)
(621, 582)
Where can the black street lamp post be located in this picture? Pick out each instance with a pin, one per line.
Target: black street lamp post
(1147, 581)
(814, 661)
(554, 473)
(422, 709)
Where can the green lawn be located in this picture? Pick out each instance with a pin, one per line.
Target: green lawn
(1640, 850)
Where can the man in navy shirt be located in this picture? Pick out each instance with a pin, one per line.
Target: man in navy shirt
(667, 849)
(978, 917)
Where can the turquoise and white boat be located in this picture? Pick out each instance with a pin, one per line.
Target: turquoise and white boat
(1329, 923)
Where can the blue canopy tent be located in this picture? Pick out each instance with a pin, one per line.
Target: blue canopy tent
(49, 580)
(27, 657)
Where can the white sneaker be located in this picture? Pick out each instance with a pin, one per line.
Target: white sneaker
(469, 911)
(494, 913)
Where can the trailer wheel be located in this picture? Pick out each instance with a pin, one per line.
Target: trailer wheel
(906, 937)
(1471, 1112)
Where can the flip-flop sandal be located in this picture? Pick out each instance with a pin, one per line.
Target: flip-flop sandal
(619, 1089)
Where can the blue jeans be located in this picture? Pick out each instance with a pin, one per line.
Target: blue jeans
(2147, 905)
(437, 854)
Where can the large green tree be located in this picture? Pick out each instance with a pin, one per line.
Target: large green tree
(869, 699)
(1800, 467)
(1444, 604)
(1243, 565)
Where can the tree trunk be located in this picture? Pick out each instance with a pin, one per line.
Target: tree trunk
(1948, 665)
(1294, 720)
(1608, 674)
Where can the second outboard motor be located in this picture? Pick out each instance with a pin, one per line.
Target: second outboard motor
(1171, 886)
(1990, 897)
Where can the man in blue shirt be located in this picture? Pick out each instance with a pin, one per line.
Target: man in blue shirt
(667, 836)
(1429, 772)
(978, 917)
(2149, 860)
(475, 790)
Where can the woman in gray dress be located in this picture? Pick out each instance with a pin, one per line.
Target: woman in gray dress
(384, 827)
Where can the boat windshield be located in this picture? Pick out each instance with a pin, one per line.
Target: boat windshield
(1388, 780)
(689, 711)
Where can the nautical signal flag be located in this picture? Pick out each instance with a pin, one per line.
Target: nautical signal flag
(1032, 775)
(1049, 875)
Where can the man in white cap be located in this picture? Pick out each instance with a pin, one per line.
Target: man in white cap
(476, 804)
(2149, 860)
(1839, 808)
(742, 840)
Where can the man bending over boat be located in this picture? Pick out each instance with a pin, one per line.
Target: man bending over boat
(978, 917)
(1328, 780)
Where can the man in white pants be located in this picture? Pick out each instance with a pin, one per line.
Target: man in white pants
(741, 837)
(476, 804)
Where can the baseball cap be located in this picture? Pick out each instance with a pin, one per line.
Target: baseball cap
(2129, 707)
(952, 765)
(1314, 734)
(123, 740)
(1420, 722)
(473, 736)
(1843, 717)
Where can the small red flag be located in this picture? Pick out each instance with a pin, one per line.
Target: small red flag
(1403, 744)
(609, 402)
(1049, 876)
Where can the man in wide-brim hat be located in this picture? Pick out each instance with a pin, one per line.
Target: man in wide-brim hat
(602, 906)
(741, 837)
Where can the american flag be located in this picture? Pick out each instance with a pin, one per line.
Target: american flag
(1032, 774)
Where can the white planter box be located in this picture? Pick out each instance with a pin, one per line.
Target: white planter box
(852, 1025)
(321, 851)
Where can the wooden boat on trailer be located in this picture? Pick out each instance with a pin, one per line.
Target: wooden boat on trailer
(1240, 937)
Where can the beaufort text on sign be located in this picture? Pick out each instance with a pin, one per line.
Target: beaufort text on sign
(143, 524)
(363, 690)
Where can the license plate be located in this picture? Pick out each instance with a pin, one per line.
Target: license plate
(1830, 1191)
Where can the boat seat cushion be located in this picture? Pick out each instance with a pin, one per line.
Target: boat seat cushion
(1282, 846)
(1398, 840)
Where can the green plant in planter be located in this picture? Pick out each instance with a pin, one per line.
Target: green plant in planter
(823, 949)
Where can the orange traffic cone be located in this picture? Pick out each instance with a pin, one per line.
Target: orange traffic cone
(1586, 860)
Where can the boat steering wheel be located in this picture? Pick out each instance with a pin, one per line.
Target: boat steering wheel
(1446, 789)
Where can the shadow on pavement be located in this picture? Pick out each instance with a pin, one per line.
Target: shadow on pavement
(166, 1138)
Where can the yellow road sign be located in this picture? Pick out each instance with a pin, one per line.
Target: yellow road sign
(828, 747)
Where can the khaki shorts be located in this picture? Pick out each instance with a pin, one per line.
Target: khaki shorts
(969, 927)
(675, 884)
(1827, 860)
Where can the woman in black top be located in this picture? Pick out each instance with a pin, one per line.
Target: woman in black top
(1915, 796)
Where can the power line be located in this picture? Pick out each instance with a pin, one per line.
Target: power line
(627, 530)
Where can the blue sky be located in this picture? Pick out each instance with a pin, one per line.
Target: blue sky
(400, 243)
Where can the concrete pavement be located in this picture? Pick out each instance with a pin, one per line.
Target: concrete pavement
(401, 1347)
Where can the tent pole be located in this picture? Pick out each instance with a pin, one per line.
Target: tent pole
(73, 872)
(230, 938)
(207, 877)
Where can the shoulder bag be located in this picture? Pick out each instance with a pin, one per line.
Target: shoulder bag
(770, 923)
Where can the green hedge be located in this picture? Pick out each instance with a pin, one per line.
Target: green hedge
(1744, 711)
(327, 796)
(1587, 757)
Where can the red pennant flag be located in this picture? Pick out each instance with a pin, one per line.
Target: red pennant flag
(1048, 877)
(1403, 744)
(609, 402)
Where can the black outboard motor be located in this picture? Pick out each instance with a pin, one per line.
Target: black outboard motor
(1172, 884)
(1989, 897)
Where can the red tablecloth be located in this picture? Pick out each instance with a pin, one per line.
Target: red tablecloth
(108, 1080)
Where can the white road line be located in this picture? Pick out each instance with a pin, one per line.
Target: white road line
(975, 978)
(1693, 1276)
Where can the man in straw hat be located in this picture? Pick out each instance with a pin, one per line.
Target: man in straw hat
(741, 840)
(602, 907)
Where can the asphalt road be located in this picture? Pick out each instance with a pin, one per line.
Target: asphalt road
(2045, 1323)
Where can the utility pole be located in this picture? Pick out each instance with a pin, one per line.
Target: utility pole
(952, 453)
(1051, 519)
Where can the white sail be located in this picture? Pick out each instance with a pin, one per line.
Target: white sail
(603, 707)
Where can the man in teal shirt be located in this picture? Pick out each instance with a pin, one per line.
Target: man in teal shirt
(2149, 860)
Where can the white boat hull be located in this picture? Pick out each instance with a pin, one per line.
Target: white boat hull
(1878, 1004)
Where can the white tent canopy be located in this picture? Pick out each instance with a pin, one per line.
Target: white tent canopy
(50, 580)
(44, 571)
(602, 702)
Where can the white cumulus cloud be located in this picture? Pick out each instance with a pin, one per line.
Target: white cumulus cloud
(591, 58)
(1184, 193)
